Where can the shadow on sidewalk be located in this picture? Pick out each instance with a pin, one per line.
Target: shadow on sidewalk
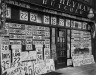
(52, 73)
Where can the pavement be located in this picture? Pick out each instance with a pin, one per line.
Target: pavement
(89, 69)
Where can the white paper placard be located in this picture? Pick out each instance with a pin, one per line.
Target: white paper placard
(82, 60)
(29, 47)
(61, 22)
(16, 53)
(46, 53)
(8, 12)
(53, 20)
(24, 56)
(23, 15)
(5, 60)
(33, 17)
(68, 23)
(4, 47)
(46, 19)
(32, 55)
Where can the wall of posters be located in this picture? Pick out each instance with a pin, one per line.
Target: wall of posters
(80, 42)
(23, 47)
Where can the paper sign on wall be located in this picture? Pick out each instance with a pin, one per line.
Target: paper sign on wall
(46, 53)
(5, 60)
(32, 55)
(16, 53)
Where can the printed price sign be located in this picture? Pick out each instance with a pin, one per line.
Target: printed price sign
(23, 15)
(8, 12)
(28, 33)
(50, 65)
(15, 42)
(32, 55)
(67, 23)
(61, 22)
(16, 56)
(72, 24)
(84, 25)
(79, 25)
(5, 60)
(46, 19)
(47, 34)
(29, 47)
(33, 17)
(4, 47)
(46, 53)
(39, 51)
(47, 41)
(28, 40)
(53, 20)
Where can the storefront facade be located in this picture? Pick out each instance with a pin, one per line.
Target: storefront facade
(40, 36)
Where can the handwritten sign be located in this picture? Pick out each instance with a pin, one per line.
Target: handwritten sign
(24, 56)
(5, 60)
(82, 60)
(32, 55)
(16, 53)
(44, 67)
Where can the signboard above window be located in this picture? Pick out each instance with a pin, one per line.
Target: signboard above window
(72, 7)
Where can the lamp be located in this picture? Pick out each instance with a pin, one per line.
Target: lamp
(91, 14)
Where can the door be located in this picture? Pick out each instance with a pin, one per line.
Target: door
(61, 48)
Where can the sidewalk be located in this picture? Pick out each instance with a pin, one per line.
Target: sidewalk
(82, 70)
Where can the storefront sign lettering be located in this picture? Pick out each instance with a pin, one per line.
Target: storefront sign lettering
(67, 5)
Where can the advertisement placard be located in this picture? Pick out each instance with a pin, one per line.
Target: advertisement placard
(5, 60)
